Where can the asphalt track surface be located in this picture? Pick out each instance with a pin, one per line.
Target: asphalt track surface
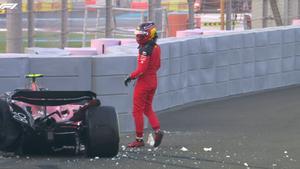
(259, 131)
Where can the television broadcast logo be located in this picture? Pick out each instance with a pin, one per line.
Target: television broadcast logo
(4, 6)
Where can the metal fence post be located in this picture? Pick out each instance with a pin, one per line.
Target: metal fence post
(191, 14)
(14, 37)
(108, 20)
(150, 10)
(30, 18)
(228, 14)
(64, 23)
(222, 6)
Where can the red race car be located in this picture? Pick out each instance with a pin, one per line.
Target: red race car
(36, 120)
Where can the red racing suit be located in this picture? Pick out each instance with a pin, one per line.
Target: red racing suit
(148, 63)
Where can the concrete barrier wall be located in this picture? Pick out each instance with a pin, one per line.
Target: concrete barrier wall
(13, 68)
(193, 69)
(63, 72)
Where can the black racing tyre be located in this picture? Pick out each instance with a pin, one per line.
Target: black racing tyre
(10, 130)
(102, 137)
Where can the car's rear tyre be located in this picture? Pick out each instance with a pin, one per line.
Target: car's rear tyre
(10, 130)
(102, 132)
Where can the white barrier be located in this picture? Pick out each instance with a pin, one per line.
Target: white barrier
(13, 68)
(192, 69)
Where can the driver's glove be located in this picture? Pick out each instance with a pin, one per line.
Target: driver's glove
(127, 80)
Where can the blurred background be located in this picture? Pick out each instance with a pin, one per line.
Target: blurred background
(73, 23)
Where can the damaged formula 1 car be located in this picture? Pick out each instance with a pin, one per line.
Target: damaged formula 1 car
(36, 120)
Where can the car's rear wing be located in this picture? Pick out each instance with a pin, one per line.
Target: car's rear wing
(53, 98)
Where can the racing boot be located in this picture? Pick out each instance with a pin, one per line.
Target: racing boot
(158, 136)
(137, 143)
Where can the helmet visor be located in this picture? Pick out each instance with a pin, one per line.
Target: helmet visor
(139, 32)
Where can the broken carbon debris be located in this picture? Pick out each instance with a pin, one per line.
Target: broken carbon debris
(150, 140)
(123, 147)
(184, 149)
(207, 149)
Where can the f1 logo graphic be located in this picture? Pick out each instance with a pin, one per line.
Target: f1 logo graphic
(8, 6)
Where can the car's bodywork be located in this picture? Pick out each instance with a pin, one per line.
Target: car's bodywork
(47, 121)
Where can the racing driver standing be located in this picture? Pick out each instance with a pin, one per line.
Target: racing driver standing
(148, 63)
